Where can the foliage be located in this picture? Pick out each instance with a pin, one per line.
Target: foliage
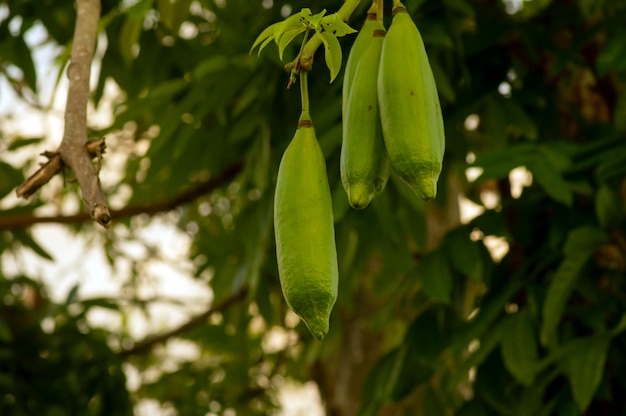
(427, 320)
(51, 361)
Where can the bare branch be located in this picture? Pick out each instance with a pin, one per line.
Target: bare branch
(54, 165)
(26, 220)
(147, 344)
(72, 148)
(42, 176)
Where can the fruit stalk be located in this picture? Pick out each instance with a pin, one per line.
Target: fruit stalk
(304, 91)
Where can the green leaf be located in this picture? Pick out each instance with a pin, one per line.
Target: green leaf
(341, 205)
(100, 303)
(473, 408)
(72, 295)
(264, 44)
(519, 120)
(436, 277)
(332, 53)
(19, 143)
(425, 339)
(558, 293)
(488, 341)
(464, 254)
(585, 366)
(261, 158)
(492, 222)
(532, 8)
(612, 166)
(584, 239)
(382, 206)
(139, 9)
(209, 66)
(10, 178)
(619, 327)
(579, 246)
(533, 401)
(311, 20)
(432, 404)
(286, 39)
(557, 154)
(494, 121)
(347, 248)
(550, 178)
(611, 57)
(483, 323)
(436, 35)
(591, 8)
(620, 114)
(608, 209)
(129, 35)
(461, 6)
(5, 332)
(294, 21)
(173, 14)
(381, 380)
(333, 24)
(7, 383)
(442, 80)
(24, 60)
(493, 385)
(417, 204)
(498, 164)
(266, 36)
(519, 346)
(257, 225)
(29, 242)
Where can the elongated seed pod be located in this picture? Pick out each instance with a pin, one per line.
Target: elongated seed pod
(364, 163)
(304, 229)
(410, 113)
(361, 42)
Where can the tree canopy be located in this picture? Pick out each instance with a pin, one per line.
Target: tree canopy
(430, 319)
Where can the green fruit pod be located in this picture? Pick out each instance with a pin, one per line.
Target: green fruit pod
(304, 230)
(361, 43)
(364, 163)
(410, 112)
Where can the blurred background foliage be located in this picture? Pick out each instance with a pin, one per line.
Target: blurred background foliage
(520, 310)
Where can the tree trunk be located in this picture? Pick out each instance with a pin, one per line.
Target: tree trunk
(341, 376)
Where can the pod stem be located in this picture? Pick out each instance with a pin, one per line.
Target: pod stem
(304, 91)
(397, 4)
(379, 10)
(372, 9)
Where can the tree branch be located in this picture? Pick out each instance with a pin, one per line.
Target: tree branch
(54, 165)
(73, 150)
(148, 343)
(25, 220)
